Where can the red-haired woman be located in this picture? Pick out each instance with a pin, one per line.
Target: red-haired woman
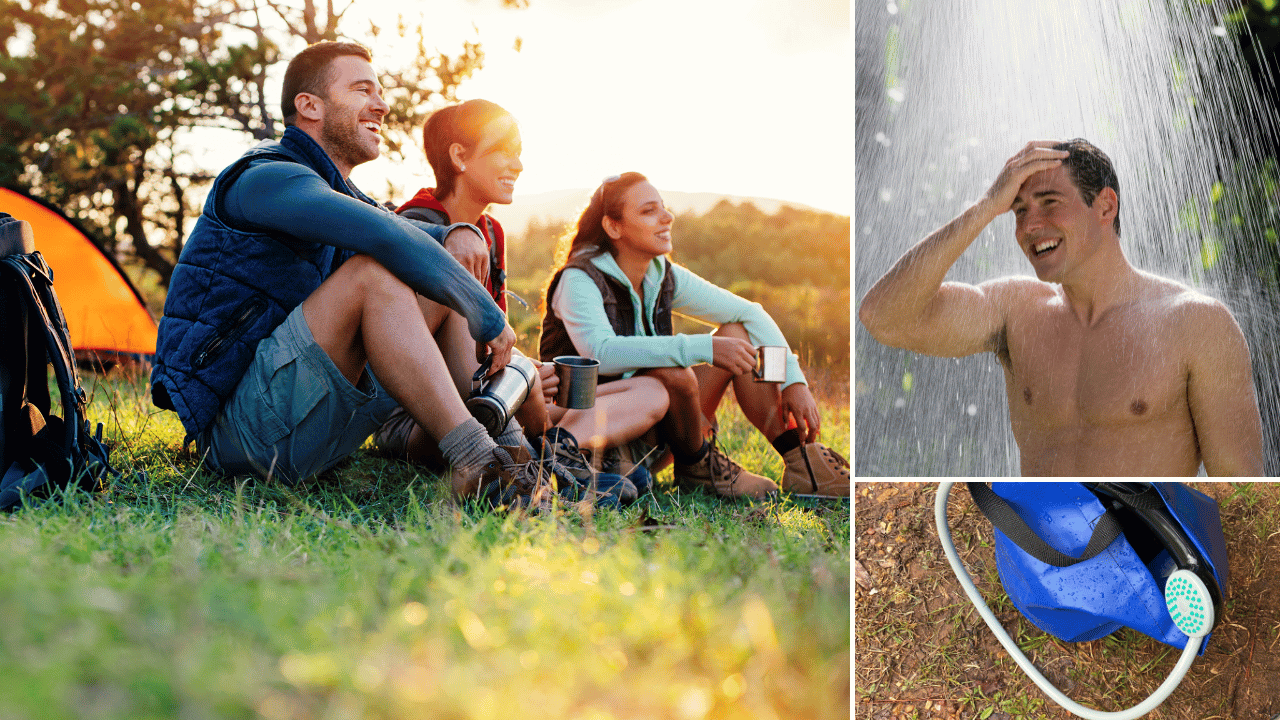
(612, 299)
(474, 151)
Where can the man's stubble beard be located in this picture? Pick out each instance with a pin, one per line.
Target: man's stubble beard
(342, 139)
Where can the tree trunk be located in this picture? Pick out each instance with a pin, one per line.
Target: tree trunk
(129, 207)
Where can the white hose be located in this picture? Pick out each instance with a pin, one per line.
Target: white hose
(1142, 708)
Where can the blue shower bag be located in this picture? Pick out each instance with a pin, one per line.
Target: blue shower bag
(1122, 585)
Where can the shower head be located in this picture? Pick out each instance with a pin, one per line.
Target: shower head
(1190, 605)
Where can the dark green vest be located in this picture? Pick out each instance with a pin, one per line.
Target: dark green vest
(617, 307)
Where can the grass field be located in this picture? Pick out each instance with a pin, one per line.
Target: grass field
(370, 594)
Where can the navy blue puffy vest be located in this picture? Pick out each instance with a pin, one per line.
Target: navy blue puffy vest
(228, 292)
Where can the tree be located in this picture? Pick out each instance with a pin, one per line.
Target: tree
(99, 98)
(1256, 24)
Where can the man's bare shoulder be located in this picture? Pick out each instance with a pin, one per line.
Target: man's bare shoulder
(1019, 288)
(1189, 309)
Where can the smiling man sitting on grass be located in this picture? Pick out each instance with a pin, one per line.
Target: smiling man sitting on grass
(292, 327)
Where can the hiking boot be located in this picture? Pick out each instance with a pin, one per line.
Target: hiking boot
(618, 460)
(606, 490)
(718, 474)
(640, 478)
(559, 448)
(815, 469)
(560, 451)
(513, 480)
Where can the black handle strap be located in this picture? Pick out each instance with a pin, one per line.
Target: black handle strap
(1003, 516)
(483, 370)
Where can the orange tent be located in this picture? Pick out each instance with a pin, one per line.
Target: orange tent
(104, 311)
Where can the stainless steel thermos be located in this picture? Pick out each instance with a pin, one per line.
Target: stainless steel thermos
(494, 399)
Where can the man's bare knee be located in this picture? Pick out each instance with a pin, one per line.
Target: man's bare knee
(376, 282)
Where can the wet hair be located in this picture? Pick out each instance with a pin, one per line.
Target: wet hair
(311, 71)
(1091, 171)
(463, 124)
(589, 232)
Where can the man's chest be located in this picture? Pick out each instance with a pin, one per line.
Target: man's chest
(1121, 371)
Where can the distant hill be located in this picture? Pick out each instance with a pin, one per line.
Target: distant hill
(566, 205)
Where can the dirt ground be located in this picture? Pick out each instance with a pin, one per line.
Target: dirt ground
(922, 651)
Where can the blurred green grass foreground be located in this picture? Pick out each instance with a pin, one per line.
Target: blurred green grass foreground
(370, 594)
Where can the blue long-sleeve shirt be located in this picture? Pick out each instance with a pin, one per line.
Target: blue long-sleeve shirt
(291, 198)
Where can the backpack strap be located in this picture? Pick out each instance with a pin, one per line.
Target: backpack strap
(15, 236)
(1006, 519)
(425, 214)
(20, 420)
(63, 451)
(57, 337)
(497, 274)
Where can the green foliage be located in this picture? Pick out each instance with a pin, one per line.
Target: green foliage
(815, 319)
(794, 262)
(370, 594)
(1210, 251)
(79, 74)
(428, 81)
(790, 247)
(1220, 220)
(1261, 18)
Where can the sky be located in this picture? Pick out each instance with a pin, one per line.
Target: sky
(740, 97)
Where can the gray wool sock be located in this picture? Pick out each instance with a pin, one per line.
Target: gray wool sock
(513, 436)
(467, 445)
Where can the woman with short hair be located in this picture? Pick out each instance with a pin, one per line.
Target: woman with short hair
(474, 150)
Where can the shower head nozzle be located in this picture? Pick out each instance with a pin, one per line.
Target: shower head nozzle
(1189, 603)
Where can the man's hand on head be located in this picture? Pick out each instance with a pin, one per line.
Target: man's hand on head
(1037, 156)
(912, 307)
(470, 250)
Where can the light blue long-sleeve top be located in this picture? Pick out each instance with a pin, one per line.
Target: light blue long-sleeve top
(578, 303)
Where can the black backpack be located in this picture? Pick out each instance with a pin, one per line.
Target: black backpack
(39, 452)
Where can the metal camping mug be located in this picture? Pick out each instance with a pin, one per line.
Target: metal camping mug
(577, 375)
(771, 364)
(493, 400)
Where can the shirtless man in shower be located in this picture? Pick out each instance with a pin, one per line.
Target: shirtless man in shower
(1108, 370)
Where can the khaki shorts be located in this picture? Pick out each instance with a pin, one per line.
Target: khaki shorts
(294, 415)
(392, 439)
